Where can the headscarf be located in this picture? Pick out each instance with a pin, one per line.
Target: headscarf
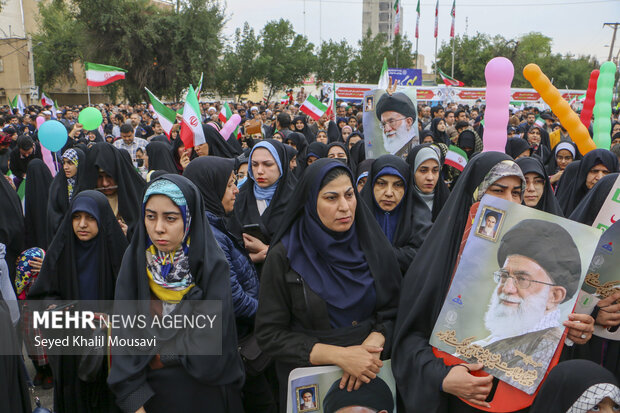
(417, 371)
(210, 174)
(498, 171)
(246, 209)
(73, 267)
(552, 164)
(415, 158)
(589, 207)
(210, 273)
(363, 169)
(261, 193)
(306, 130)
(516, 146)
(548, 202)
(38, 181)
(544, 148)
(71, 155)
(572, 188)
(467, 139)
(357, 152)
(355, 271)
(217, 145)
(344, 148)
(300, 142)
(11, 224)
(438, 136)
(160, 157)
(408, 224)
(576, 386)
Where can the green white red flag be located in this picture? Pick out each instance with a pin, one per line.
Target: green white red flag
(47, 101)
(101, 75)
(18, 104)
(384, 77)
(191, 126)
(456, 157)
(166, 116)
(453, 14)
(313, 107)
(450, 81)
(397, 14)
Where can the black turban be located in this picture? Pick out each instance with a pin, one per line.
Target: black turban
(550, 245)
(374, 395)
(398, 102)
(492, 214)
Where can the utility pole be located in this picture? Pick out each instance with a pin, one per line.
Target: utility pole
(613, 39)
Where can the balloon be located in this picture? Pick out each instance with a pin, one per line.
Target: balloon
(40, 120)
(47, 158)
(552, 97)
(230, 125)
(498, 73)
(53, 135)
(90, 118)
(588, 104)
(602, 105)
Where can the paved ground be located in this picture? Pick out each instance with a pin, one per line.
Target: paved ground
(46, 396)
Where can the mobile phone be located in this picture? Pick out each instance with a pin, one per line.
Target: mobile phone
(254, 230)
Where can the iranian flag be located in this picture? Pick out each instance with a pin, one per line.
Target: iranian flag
(331, 103)
(18, 104)
(456, 157)
(191, 127)
(436, 18)
(165, 115)
(450, 81)
(453, 14)
(384, 77)
(313, 108)
(540, 122)
(46, 101)
(417, 22)
(101, 75)
(225, 113)
(397, 11)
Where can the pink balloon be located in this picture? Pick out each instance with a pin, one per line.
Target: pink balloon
(47, 158)
(230, 126)
(498, 73)
(40, 120)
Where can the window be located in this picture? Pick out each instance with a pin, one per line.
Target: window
(384, 6)
(1, 65)
(384, 17)
(384, 28)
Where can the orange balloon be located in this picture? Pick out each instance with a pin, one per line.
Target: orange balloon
(552, 97)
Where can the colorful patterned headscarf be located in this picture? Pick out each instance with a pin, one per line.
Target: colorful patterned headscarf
(24, 276)
(169, 274)
(501, 170)
(71, 155)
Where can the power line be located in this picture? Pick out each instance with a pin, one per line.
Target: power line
(563, 3)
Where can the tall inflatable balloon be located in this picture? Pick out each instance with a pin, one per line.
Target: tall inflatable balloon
(588, 104)
(498, 73)
(602, 105)
(552, 97)
(230, 126)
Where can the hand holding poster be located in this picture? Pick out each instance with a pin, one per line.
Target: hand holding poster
(515, 284)
(390, 122)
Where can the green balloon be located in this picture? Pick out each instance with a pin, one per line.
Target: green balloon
(602, 105)
(90, 118)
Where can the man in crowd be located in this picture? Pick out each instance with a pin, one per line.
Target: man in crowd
(129, 142)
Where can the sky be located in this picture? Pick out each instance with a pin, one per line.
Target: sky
(575, 26)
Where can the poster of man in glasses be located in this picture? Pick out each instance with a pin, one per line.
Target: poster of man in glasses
(391, 123)
(511, 292)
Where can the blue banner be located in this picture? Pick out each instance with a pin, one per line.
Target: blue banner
(406, 77)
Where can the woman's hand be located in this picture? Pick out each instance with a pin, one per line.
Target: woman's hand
(468, 387)
(141, 410)
(555, 177)
(35, 264)
(256, 248)
(580, 327)
(184, 161)
(609, 314)
(124, 226)
(360, 365)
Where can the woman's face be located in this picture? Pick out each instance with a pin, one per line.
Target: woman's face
(508, 188)
(321, 137)
(163, 223)
(228, 200)
(336, 204)
(427, 175)
(534, 189)
(85, 226)
(69, 167)
(264, 168)
(311, 160)
(533, 136)
(299, 125)
(441, 126)
(524, 154)
(427, 139)
(293, 163)
(291, 144)
(563, 158)
(345, 133)
(605, 406)
(336, 152)
(361, 183)
(353, 140)
(242, 172)
(388, 191)
(181, 151)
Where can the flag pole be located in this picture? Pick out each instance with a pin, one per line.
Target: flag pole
(435, 57)
(416, 52)
(88, 91)
(452, 73)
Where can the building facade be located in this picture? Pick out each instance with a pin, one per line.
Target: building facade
(378, 16)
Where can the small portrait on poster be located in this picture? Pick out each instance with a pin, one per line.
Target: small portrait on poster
(391, 123)
(509, 298)
(491, 222)
(370, 104)
(307, 398)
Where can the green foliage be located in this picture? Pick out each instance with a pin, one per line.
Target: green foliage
(335, 62)
(57, 45)
(237, 71)
(286, 58)
(473, 53)
(372, 50)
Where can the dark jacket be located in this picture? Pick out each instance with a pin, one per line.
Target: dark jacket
(243, 276)
(18, 165)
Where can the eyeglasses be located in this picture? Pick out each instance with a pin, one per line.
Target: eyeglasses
(522, 281)
(390, 122)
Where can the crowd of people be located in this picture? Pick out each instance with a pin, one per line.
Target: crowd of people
(318, 255)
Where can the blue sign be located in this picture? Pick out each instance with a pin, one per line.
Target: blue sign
(406, 77)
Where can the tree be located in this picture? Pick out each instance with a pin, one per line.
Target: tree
(335, 62)
(286, 58)
(237, 70)
(401, 52)
(369, 59)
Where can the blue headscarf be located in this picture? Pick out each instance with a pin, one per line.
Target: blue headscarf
(331, 263)
(388, 221)
(265, 194)
(87, 253)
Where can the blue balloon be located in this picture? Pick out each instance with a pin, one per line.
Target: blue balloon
(53, 135)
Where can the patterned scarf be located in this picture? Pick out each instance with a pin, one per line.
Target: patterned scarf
(169, 273)
(501, 170)
(72, 156)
